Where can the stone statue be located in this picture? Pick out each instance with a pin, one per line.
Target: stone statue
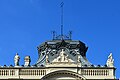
(110, 61)
(62, 55)
(47, 60)
(78, 58)
(27, 61)
(16, 59)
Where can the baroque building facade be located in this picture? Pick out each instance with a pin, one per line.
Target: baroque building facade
(60, 59)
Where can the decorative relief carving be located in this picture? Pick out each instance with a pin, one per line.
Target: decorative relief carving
(63, 57)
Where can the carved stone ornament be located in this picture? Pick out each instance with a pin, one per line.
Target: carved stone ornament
(63, 57)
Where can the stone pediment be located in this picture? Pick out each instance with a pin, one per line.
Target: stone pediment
(62, 58)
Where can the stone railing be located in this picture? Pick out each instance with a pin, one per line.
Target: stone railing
(33, 72)
(41, 72)
(20, 73)
(38, 73)
(7, 72)
(95, 72)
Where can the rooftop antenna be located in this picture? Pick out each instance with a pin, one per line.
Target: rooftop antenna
(61, 5)
(61, 36)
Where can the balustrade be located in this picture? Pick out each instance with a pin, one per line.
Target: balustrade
(95, 72)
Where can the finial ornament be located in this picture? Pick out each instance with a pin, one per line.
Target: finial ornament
(16, 59)
(110, 61)
(53, 33)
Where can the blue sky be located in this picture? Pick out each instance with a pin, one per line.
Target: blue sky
(25, 24)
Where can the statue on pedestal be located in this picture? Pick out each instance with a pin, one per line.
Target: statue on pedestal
(110, 61)
(27, 61)
(16, 59)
